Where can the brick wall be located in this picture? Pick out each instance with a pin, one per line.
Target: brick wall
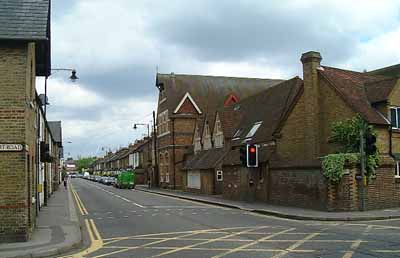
(17, 125)
(381, 192)
(298, 187)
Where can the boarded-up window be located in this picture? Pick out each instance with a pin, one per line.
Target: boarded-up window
(193, 180)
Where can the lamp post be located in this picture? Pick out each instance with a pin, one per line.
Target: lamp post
(73, 78)
(148, 143)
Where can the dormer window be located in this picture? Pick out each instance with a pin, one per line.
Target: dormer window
(395, 117)
(237, 134)
(254, 129)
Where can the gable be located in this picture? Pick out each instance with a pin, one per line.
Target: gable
(217, 125)
(187, 105)
(232, 99)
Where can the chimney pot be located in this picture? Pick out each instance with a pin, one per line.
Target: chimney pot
(311, 56)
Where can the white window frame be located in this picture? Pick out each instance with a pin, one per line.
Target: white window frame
(397, 117)
(237, 134)
(254, 129)
(221, 175)
(397, 170)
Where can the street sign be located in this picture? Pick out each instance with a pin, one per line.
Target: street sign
(11, 147)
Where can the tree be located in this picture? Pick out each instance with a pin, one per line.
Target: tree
(84, 163)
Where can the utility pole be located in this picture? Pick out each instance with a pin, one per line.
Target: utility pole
(362, 161)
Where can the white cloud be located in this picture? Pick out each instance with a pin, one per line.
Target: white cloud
(107, 39)
(378, 52)
(69, 95)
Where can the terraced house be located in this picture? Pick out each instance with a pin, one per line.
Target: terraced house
(183, 101)
(291, 123)
(26, 141)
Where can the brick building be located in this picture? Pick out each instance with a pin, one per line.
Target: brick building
(24, 54)
(183, 99)
(291, 124)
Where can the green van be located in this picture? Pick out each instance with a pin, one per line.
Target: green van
(126, 180)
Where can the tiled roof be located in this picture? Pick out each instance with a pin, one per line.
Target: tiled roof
(209, 92)
(269, 107)
(55, 129)
(206, 159)
(351, 87)
(24, 19)
(392, 71)
(380, 90)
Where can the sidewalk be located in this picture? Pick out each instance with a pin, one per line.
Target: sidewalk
(57, 231)
(279, 211)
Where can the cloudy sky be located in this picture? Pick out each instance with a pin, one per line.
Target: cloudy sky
(116, 47)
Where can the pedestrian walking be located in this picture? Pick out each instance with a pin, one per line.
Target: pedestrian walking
(65, 182)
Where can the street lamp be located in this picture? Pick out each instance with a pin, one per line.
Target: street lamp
(73, 78)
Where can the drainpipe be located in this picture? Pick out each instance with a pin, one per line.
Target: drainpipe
(390, 142)
(173, 149)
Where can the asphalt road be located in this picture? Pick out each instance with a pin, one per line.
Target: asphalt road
(131, 223)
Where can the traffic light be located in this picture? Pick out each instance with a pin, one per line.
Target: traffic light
(370, 143)
(252, 155)
(243, 156)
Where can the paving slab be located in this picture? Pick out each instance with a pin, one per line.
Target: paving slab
(58, 230)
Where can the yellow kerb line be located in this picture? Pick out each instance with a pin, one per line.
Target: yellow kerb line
(77, 202)
(83, 210)
(94, 244)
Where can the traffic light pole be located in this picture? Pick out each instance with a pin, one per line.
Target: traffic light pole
(362, 161)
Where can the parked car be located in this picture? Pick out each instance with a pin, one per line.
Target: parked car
(108, 180)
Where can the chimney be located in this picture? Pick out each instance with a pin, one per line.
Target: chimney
(311, 63)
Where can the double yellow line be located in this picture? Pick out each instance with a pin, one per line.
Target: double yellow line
(96, 242)
(78, 200)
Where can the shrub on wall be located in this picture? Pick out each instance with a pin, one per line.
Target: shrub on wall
(346, 134)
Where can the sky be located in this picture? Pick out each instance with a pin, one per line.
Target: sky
(118, 46)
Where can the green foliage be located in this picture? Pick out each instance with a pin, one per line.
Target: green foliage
(84, 163)
(346, 134)
(333, 165)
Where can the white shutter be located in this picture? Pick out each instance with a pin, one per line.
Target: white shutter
(194, 180)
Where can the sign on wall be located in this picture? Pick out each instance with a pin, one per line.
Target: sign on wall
(11, 147)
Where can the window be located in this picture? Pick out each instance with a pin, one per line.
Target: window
(397, 170)
(219, 175)
(237, 134)
(193, 180)
(163, 123)
(254, 129)
(395, 117)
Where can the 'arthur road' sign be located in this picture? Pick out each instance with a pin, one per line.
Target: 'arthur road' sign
(11, 147)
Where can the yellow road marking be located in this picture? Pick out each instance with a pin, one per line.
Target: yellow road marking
(295, 245)
(77, 202)
(207, 231)
(212, 249)
(356, 244)
(81, 203)
(387, 251)
(208, 241)
(95, 244)
(145, 245)
(253, 243)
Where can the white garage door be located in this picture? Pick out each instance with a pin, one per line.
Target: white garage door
(193, 179)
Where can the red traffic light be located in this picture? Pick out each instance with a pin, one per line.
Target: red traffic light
(252, 149)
